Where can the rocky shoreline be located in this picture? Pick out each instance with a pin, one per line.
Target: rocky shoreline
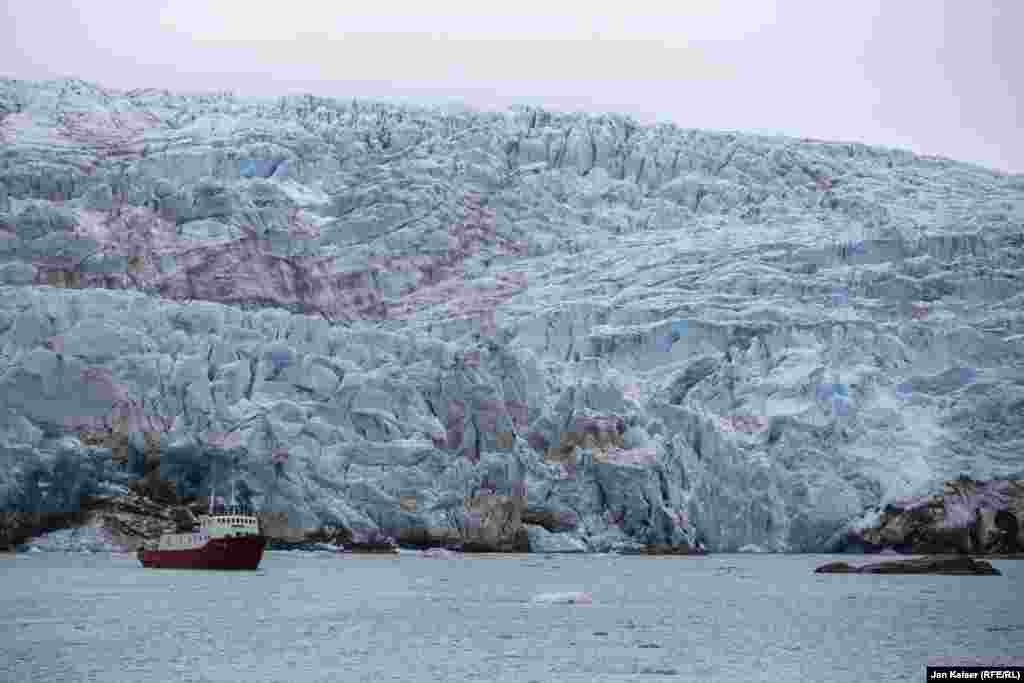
(968, 517)
(126, 521)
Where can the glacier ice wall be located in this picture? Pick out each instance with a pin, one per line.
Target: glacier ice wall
(374, 316)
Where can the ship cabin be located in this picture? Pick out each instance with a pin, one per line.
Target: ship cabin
(229, 521)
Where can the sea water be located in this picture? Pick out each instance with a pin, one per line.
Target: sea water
(306, 617)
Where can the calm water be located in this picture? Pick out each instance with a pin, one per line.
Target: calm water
(304, 618)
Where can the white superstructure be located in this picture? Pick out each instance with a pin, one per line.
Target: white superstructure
(231, 522)
(225, 524)
(187, 541)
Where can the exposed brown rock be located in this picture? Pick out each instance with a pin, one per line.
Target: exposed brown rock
(497, 524)
(275, 525)
(968, 517)
(596, 433)
(505, 441)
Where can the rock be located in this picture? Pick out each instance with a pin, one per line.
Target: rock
(494, 525)
(554, 521)
(18, 527)
(952, 566)
(1009, 524)
(667, 549)
(183, 519)
(970, 517)
(985, 533)
(373, 542)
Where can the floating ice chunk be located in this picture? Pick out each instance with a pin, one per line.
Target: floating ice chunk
(752, 548)
(86, 540)
(572, 598)
(437, 553)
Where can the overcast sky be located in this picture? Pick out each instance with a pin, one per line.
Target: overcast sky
(940, 77)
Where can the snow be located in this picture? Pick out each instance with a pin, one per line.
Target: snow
(751, 548)
(84, 540)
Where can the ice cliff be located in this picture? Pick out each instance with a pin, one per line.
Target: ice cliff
(501, 329)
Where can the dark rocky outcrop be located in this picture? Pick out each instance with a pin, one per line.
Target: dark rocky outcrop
(665, 549)
(553, 520)
(968, 517)
(495, 525)
(18, 527)
(952, 566)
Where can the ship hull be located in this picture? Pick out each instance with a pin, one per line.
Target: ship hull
(240, 552)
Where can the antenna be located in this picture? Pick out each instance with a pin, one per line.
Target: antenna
(213, 478)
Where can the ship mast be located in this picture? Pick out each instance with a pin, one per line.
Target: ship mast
(213, 478)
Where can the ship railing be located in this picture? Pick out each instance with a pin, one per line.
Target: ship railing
(239, 510)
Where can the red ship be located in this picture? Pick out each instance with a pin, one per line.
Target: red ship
(228, 538)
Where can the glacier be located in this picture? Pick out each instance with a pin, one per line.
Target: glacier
(498, 330)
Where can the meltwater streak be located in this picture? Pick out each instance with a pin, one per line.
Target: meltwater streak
(305, 617)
